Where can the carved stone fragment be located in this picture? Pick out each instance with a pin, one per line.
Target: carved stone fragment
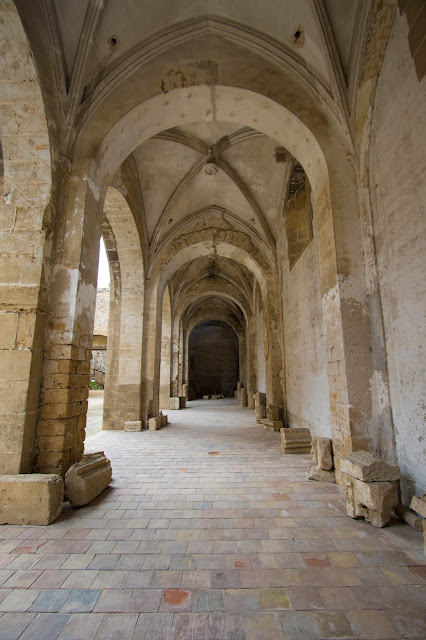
(366, 467)
(323, 453)
(321, 475)
(87, 479)
(370, 500)
(419, 505)
(295, 440)
(133, 425)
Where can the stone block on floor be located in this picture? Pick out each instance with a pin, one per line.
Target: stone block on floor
(182, 402)
(174, 403)
(30, 499)
(419, 505)
(259, 410)
(164, 420)
(154, 424)
(133, 425)
(321, 475)
(370, 500)
(322, 448)
(87, 479)
(250, 400)
(273, 425)
(260, 398)
(295, 440)
(366, 467)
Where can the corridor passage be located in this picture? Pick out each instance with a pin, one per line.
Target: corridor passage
(210, 532)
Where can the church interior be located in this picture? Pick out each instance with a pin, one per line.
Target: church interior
(256, 172)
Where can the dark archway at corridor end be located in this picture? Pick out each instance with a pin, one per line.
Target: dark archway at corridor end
(213, 359)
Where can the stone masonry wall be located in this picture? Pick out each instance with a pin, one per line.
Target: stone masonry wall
(397, 161)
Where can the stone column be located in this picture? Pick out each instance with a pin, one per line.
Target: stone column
(26, 210)
(72, 299)
(151, 352)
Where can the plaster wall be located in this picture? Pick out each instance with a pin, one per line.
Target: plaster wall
(306, 366)
(397, 162)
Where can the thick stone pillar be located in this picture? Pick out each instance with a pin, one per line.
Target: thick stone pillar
(151, 352)
(251, 361)
(25, 192)
(72, 299)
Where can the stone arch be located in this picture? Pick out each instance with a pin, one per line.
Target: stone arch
(324, 149)
(25, 210)
(122, 388)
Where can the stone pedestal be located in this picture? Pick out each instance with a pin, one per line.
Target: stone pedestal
(30, 499)
(133, 425)
(370, 500)
(368, 483)
(182, 402)
(295, 440)
(87, 479)
(250, 400)
(163, 421)
(174, 403)
(260, 398)
(154, 424)
(259, 411)
(243, 397)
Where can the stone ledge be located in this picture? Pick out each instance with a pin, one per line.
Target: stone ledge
(31, 499)
(366, 467)
(86, 479)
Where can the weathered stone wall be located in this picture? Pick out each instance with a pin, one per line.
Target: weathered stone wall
(213, 360)
(397, 161)
(306, 367)
(98, 366)
(102, 312)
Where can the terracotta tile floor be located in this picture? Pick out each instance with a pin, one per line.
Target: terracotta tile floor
(209, 532)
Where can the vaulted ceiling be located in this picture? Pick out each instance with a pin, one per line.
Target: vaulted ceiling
(200, 169)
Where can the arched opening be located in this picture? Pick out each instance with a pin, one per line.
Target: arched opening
(213, 359)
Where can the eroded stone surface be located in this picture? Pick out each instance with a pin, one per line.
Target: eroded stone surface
(133, 425)
(31, 499)
(87, 479)
(370, 500)
(419, 505)
(323, 453)
(321, 475)
(366, 467)
(295, 440)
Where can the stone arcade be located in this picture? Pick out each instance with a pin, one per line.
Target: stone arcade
(256, 171)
